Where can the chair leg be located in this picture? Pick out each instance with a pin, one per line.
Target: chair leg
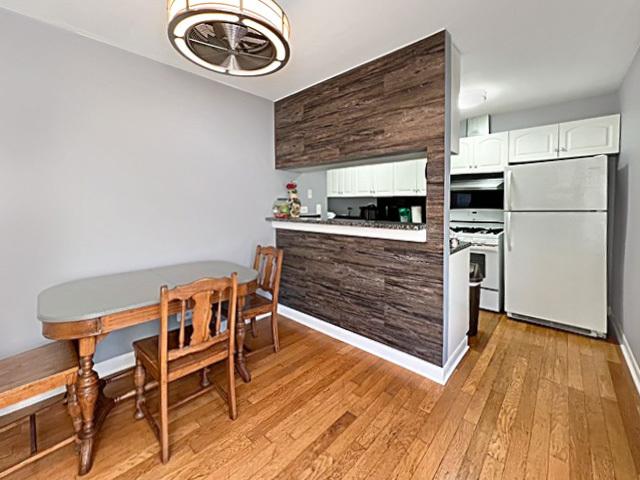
(204, 380)
(254, 327)
(274, 330)
(164, 420)
(231, 388)
(139, 379)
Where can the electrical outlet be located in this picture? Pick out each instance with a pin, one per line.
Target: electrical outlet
(304, 210)
(318, 209)
(309, 194)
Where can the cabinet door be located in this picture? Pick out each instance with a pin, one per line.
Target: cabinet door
(421, 174)
(533, 144)
(463, 162)
(349, 182)
(491, 152)
(332, 183)
(383, 180)
(405, 180)
(590, 137)
(364, 181)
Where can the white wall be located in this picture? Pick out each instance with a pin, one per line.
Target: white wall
(111, 162)
(626, 251)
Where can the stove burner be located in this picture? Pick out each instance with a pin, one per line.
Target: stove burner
(481, 230)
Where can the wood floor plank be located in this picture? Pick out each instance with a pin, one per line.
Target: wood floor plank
(579, 446)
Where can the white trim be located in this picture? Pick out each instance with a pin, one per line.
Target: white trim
(418, 236)
(104, 369)
(455, 358)
(416, 365)
(627, 353)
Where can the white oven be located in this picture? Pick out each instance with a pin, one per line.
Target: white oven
(484, 230)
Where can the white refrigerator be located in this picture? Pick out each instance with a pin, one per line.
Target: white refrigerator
(556, 243)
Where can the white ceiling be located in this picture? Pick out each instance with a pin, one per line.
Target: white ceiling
(523, 53)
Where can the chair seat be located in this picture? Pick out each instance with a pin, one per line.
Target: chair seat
(256, 304)
(147, 350)
(36, 371)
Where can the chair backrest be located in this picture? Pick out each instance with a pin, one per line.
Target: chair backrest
(199, 297)
(268, 263)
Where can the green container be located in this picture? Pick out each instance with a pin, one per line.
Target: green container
(405, 215)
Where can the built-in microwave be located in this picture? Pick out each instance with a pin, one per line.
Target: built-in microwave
(477, 193)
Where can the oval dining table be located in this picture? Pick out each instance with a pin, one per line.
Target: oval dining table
(87, 310)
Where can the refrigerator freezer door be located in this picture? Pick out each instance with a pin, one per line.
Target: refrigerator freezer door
(556, 267)
(566, 185)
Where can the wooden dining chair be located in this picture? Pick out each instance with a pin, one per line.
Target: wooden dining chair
(268, 263)
(189, 349)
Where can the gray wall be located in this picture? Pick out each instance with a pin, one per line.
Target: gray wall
(111, 162)
(561, 112)
(626, 251)
(317, 183)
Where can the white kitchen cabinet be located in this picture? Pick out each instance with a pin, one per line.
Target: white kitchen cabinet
(409, 178)
(534, 144)
(382, 180)
(462, 163)
(482, 154)
(491, 152)
(364, 181)
(593, 136)
(333, 189)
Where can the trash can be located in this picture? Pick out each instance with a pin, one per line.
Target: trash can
(475, 280)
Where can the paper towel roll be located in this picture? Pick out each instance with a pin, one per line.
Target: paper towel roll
(416, 214)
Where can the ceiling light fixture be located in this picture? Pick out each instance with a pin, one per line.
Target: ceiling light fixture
(245, 38)
(471, 98)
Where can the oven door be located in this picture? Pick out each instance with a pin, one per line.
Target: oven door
(487, 257)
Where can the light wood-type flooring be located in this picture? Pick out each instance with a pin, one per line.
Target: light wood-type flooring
(526, 402)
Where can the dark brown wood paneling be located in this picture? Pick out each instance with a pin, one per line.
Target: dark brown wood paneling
(391, 292)
(392, 105)
(385, 290)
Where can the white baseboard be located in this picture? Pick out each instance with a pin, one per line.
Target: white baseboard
(416, 365)
(455, 358)
(104, 369)
(627, 353)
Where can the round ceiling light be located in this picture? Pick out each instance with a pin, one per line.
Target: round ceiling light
(471, 98)
(245, 38)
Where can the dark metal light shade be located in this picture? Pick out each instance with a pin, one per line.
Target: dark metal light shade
(234, 37)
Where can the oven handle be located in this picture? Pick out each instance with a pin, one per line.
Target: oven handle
(485, 248)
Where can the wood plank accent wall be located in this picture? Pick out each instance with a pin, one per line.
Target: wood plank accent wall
(389, 291)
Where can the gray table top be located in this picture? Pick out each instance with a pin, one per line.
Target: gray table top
(91, 298)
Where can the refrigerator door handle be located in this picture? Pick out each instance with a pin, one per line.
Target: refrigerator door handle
(507, 230)
(507, 187)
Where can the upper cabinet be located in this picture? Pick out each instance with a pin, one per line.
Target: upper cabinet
(482, 154)
(533, 144)
(409, 178)
(399, 179)
(594, 136)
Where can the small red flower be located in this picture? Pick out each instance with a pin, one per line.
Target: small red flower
(292, 186)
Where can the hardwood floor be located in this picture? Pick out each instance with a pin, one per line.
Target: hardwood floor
(526, 402)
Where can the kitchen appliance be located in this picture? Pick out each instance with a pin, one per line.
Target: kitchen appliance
(556, 243)
(369, 212)
(477, 193)
(484, 230)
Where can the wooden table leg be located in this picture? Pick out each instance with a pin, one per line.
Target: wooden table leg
(241, 365)
(87, 391)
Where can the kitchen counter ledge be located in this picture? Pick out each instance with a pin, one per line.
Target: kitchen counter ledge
(408, 232)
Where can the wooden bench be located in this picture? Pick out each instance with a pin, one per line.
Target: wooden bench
(33, 373)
